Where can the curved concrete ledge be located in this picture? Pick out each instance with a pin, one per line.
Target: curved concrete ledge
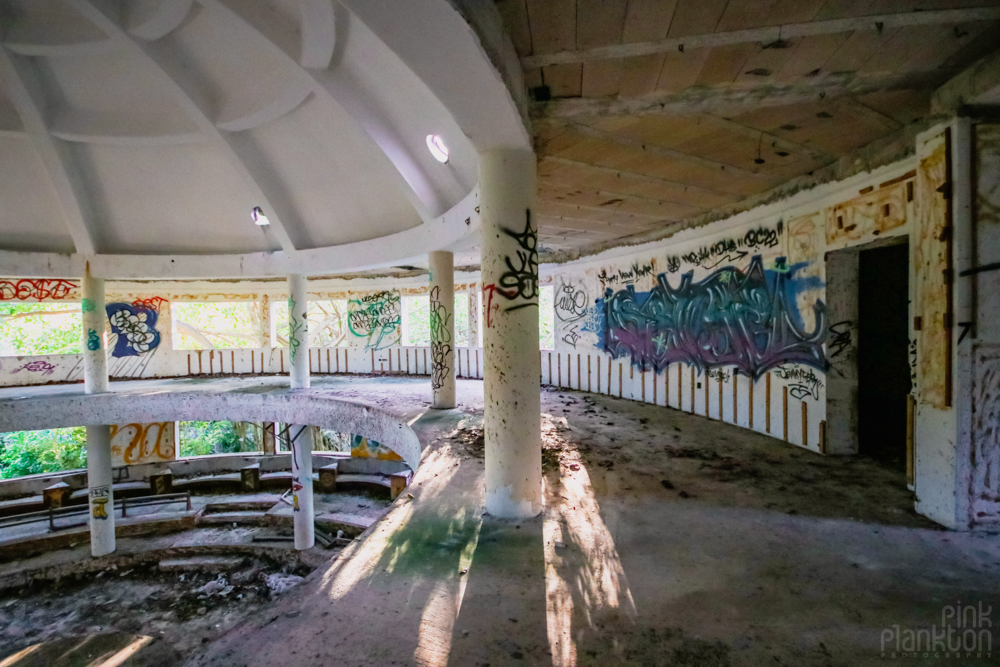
(225, 400)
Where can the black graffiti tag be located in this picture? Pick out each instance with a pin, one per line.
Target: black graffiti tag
(840, 338)
(571, 302)
(520, 281)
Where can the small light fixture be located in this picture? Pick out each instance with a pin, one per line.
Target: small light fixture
(258, 216)
(435, 144)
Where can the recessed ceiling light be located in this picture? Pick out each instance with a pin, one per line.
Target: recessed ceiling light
(258, 216)
(435, 144)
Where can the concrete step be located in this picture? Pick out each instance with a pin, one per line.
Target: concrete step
(201, 564)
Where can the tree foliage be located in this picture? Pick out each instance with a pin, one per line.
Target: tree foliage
(40, 328)
(32, 452)
(226, 324)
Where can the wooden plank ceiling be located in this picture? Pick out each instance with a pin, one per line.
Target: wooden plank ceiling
(631, 143)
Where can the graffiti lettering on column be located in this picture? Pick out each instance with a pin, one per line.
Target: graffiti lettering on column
(142, 443)
(520, 281)
(87, 306)
(93, 340)
(99, 497)
(913, 361)
(376, 318)
(440, 318)
(296, 487)
(745, 319)
(440, 364)
(571, 302)
(39, 366)
(626, 276)
(135, 328)
(728, 251)
(803, 382)
(40, 289)
(294, 330)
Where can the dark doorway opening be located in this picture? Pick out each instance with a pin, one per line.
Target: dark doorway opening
(883, 362)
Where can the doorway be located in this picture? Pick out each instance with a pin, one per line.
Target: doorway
(883, 363)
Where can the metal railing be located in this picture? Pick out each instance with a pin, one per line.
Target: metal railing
(54, 513)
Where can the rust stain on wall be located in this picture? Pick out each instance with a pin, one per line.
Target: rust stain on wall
(931, 263)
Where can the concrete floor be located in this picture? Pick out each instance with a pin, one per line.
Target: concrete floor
(667, 539)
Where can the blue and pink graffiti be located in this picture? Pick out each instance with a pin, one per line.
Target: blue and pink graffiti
(747, 319)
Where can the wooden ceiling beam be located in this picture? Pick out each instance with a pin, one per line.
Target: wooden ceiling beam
(765, 36)
(735, 98)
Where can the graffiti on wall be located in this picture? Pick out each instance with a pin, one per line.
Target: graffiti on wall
(93, 340)
(571, 302)
(376, 318)
(520, 280)
(37, 289)
(135, 328)
(142, 443)
(362, 447)
(729, 251)
(731, 318)
(627, 276)
(39, 366)
(801, 382)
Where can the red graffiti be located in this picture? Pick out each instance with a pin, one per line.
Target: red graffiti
(490, 308)
(40, 289)
(152, 303)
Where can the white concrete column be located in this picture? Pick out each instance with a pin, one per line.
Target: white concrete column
(95, 359)
(512, 420)
(442, 266)
(298, 331)
(302, 486)
(298, 353)
(99, 479)
(95, 378)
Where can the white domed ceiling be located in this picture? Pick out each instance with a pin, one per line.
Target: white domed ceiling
(153, 128)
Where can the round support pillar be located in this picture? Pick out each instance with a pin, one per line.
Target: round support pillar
(301, 435)
(298, 331)
(95, 381)
(512, 419)
(442, 266)
(95, 360)
(101, 497)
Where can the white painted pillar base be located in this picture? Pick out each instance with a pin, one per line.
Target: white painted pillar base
(298, 353)
(442, 296)
(512, 419)
(95, 378)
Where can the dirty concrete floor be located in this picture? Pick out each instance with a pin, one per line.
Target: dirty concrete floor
(666, 539)
(139, 600)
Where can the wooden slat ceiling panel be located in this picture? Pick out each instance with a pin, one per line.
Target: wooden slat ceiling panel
(590, 176)
(609, 176)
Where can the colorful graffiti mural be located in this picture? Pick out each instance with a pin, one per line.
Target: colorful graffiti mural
(142, 443)
(746, 319)
(363, 448)
(135, 327)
